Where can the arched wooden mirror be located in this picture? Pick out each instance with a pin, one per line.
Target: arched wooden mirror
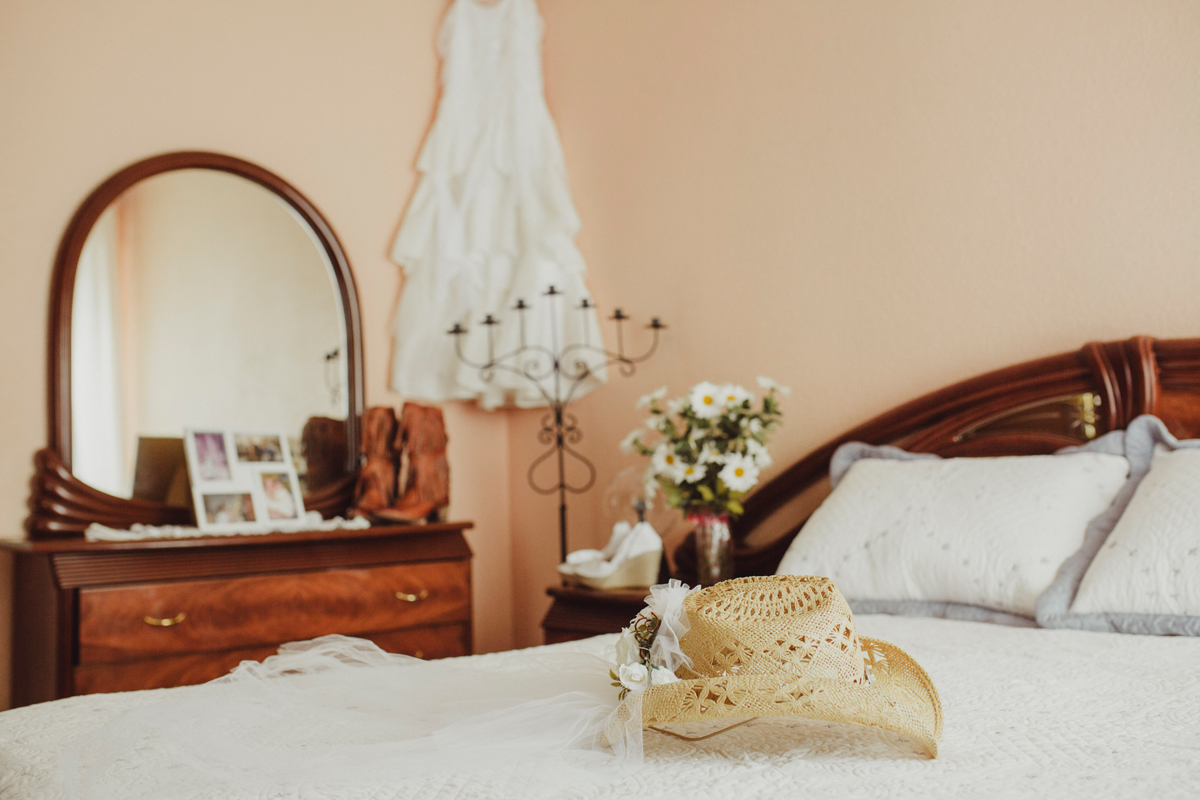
(193, 289)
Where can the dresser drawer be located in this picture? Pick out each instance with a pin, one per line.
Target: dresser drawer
(132, 622)
(435, 641)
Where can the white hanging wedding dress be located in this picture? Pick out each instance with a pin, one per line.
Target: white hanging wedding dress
(491, 221)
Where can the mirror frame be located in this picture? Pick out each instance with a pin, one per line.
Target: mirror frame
(62, 505)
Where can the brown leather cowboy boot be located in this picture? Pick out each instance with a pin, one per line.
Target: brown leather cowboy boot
(421, 439)
(376, 487)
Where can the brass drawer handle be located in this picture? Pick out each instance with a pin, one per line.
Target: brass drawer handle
(412, 598)
(167, 622)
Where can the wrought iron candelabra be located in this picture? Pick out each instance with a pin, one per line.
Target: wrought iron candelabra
(557, 370)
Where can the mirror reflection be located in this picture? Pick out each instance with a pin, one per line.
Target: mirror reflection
(201, 301)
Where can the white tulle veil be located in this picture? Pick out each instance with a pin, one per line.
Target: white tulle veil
(338, 713)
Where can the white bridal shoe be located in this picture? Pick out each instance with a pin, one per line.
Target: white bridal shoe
(631, 558)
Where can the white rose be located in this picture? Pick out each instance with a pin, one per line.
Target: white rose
(634, 677)
(627, 648)
(661, 675)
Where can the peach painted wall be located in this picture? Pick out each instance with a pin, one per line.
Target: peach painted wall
(865, 200)
(335, 97)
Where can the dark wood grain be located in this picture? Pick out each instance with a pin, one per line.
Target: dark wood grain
(1126, 378)
(441, 641)
(253, 592)
(59, 505)
(578, 613)
(90, 568)
(229, 614)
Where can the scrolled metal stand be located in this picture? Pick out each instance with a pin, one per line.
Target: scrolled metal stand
(565, 368)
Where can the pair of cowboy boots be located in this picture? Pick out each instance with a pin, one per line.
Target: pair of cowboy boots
(405, 476)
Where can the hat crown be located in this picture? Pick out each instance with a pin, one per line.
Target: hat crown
(766, 625)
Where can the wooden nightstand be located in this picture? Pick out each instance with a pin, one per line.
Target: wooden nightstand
(578, 613)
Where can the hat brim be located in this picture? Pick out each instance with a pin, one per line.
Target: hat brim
(899, 697)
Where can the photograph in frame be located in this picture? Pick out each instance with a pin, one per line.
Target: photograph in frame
(228, 509)
(254, 447)
(279, 495)
(242, 481)
(212, 460)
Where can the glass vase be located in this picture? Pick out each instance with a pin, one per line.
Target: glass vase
(714, 548)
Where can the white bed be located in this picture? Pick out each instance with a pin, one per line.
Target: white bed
(1028, 713)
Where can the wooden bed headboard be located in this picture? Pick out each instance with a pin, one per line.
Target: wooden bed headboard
(1027, 409)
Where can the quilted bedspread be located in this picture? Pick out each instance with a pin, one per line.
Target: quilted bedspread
(1028, 713)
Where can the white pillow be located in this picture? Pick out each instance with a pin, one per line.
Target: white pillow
(1150, 563)
(987, 532)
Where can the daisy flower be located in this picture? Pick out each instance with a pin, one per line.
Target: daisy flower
(757, 451)
(646, 399)
(769, 384)
(632, 438)
(733, 396)
(693, 473)
(705, 400)
(709, 455)
(666, 463)
(739, 473)
(649, 483)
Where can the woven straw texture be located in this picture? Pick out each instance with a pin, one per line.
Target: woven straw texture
(786, 645)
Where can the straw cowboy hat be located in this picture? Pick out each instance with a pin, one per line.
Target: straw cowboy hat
(786, 646)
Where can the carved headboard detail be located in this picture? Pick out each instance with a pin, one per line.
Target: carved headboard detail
(1027, 409)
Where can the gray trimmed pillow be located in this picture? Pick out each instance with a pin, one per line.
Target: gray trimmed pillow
(1133, 572)
(966, 538)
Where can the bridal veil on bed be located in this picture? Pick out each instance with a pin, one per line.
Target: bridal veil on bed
(340, 714)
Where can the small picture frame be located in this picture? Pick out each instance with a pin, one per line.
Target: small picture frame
(242, 481)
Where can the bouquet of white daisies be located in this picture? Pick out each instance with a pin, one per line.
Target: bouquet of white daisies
(712, 445)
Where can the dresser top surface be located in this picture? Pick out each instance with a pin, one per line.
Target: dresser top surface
(79, 544)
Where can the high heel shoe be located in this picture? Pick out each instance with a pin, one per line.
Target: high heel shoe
(634, 554)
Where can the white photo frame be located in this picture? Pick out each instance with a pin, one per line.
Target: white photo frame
(242, 481)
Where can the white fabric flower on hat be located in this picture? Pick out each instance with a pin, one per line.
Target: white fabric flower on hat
(758, 451)
(646, 399)
(662, 675)
(627, 647)
(667, 463)
(740, 473)
(769, 384)
(634, 677)
(733, 396)
(705, 400)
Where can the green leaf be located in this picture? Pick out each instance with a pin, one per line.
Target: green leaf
(705, 492)
(734, 507)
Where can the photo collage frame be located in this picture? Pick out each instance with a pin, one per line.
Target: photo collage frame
(242, 481)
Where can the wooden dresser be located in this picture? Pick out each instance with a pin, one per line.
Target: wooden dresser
(118, 616)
